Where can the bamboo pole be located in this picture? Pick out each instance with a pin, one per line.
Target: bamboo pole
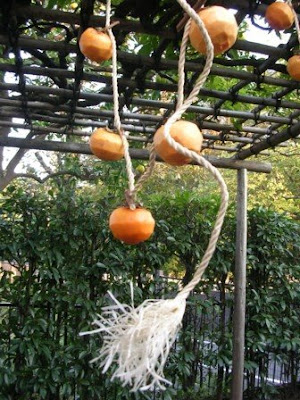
(92, 121)
(139, 154)
(272, 141)
(41, 130)
(61, 46)
(136, 101)
(294, 116)
(265, 101)
(277, 95)
(83, 113)
(43, 44)
(240, 288)
(152, 64)
(37, 12)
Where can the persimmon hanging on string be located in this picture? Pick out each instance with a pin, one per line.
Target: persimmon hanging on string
(221, 26)
(137, 340)
(96, 45)
(131, 226)
(185, 133)
(293, 67)
(279, 15)
(106, 145)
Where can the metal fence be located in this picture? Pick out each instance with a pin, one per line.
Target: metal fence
(268, 373)
(206, 333)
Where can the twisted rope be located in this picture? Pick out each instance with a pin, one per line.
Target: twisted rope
(181, 63)
(117, 120)
(139, 339)
(289, 2)
(181, 108)
(149, 169)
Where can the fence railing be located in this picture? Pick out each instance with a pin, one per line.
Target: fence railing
(206, 334)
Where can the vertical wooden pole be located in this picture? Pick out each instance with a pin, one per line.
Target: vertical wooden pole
(240, 288)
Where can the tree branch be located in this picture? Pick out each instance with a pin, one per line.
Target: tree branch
(83, 177)
(43, 163)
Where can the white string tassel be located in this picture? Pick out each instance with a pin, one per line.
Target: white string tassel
(139, 340)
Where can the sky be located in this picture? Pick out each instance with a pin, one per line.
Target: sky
(254, 34)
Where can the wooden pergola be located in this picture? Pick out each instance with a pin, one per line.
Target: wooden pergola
(61, 97)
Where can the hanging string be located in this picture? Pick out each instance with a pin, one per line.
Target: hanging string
(117, 121)
(149, 169)
(289, 2)
(180, 93)
(181, 63)
(181, 108)
(139, 339)
(180, 98)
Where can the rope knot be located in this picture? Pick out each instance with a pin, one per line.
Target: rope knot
(130, 199)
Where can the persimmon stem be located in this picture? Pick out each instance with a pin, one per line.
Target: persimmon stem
(130, 199)
(112, 25)
(106, 28)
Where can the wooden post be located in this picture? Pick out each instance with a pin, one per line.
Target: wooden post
(240, 288)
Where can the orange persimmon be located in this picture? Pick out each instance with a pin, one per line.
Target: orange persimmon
(279, 15)
(96, 45)
(106, 145)
(131, 226)
(185, 133)
(293, 67)
(221, 26)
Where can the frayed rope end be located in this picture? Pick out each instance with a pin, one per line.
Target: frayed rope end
(138, 340)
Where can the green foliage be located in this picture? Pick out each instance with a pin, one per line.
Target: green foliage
(58, 3)
(273, 280)
(59, 241)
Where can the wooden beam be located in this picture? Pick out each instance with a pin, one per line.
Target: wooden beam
(140, 154)
(274, 140)
(239, 314)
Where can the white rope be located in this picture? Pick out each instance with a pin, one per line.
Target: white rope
(149, 169)
(181, 62)
(289, 2)
(130, 194)
(117, 119)
(139, 339)
(207, 67)
(181, 108)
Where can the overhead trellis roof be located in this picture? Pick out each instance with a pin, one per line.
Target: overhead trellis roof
(248, 105)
